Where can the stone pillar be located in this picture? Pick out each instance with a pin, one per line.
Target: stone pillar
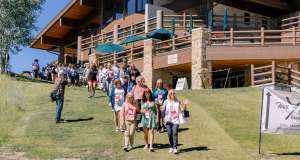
(116, 33)
(159, 19)
(149, 50)
(248, 79)
(199, 63)
(210, 74)
(61, 56)
(146, 18)
(79, 54)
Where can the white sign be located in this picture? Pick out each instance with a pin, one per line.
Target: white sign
(280, 112)
(181, 84)
(172, 59)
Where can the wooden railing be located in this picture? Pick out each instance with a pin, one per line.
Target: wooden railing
(182, 22)
(263, 75)
(290, 22)
(138, 29)
(242, 22)
(92, 41)
(255, 37)
(135, 30)
(130, 54)
(270, 74)
(173, 44)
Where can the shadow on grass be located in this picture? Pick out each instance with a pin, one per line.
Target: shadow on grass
(79, 120)
(288, 154)
(100, 96)
(182, 129)
(200, 148)
(157, 146)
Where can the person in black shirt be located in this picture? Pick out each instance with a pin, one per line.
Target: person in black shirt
(92, 80)
(133, 72)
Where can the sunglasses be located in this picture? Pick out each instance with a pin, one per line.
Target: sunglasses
(172, 93)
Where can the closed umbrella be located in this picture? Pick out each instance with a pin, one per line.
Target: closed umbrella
(225, 20)
(211, 20)
(173, 27)
(191, 23)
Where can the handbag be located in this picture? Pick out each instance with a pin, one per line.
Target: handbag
(139, 116)
(53, 96)
(186, 114)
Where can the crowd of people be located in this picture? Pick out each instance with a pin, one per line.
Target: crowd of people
(135, 105)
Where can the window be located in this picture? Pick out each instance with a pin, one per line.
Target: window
(264, 23)
(246, 18)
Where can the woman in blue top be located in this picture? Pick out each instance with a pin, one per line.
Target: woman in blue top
(160, 94)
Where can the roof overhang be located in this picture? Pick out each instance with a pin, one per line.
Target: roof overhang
(64, 28)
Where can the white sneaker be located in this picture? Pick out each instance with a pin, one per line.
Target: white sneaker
(117, 129)
(170, 150)
(175, 151)
(146, 146)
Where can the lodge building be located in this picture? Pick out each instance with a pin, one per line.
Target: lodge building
(216, 43)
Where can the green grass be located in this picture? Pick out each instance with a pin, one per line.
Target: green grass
(223, 126)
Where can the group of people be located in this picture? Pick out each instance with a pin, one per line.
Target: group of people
(135, 106)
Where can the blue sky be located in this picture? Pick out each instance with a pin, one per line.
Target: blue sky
(23, 60)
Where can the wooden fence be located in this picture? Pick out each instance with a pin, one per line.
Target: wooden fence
(290, 22)
(138, 29)
(255, 37)
(173, 44)
(270, 74)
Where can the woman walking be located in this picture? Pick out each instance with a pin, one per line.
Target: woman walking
(117, 98)
(149, 119)
(129, 116)
(138, 91)
(160, 94)
(173, 117)
(92, 80)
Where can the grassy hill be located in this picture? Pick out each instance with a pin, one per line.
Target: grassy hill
(224, 126)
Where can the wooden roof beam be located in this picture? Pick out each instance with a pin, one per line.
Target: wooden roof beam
(69, 23)
(51, 41)
(89, 3)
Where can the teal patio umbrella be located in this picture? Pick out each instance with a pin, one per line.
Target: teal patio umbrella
(211, 20)
(160, 34)
(225, 20)
(173, 27)
(191, 23)
(109, 48)
(132, 39)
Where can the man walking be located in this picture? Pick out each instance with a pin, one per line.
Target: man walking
(59, 90)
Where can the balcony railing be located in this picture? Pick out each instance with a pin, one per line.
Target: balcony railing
(242, 22)
(255, 37)
(132, 54)
(290, 22)
(173, 44)
(138, 29)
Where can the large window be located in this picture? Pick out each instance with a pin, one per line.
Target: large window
(135, 6)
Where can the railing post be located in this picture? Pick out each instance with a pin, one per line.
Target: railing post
(294, 35)
(262, 36)
(92, 41)
(173, 43)
(116, 33)
(131, 55)
(79, 41)
(102, 37)
(159, 19)
(252, 75)
(273, 72)
(231, 37)
(289, 74)
(146, 18)
(184, 21)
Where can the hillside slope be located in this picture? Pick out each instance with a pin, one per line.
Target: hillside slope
(224, 125)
